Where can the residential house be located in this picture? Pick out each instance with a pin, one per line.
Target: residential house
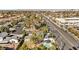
(47, 44)
(12, 29)
(49, 40)
(13, 40)
(3, 35)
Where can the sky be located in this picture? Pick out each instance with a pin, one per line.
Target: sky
(39, 4)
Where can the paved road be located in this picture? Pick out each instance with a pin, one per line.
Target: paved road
(65, 38)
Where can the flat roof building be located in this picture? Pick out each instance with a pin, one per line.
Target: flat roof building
(65, 22)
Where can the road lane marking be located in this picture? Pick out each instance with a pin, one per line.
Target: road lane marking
(63, 36)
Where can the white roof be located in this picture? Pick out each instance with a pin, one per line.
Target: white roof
(1, 39)
(3, 34)
(16, 41)
(60, 19)
(3, 42)
(74, 19)
(51, 39)
(7, 38)
(12, 29)
(45, 38)
(77, 18)
(18, 35)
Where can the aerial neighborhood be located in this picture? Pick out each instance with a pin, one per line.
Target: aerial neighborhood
(39, 30)
(25, 31)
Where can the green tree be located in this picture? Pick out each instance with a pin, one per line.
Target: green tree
(41, 47)
(14, 22)
(23, 47)
(44, 29)
(4, 29)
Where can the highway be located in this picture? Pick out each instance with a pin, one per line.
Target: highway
(66, 41)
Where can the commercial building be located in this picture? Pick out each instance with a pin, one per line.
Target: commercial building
(66, 22)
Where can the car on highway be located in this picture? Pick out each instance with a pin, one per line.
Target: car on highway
(70, 49)
(74, 48)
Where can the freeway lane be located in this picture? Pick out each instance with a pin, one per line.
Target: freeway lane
(65, 37)
(60, 39)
